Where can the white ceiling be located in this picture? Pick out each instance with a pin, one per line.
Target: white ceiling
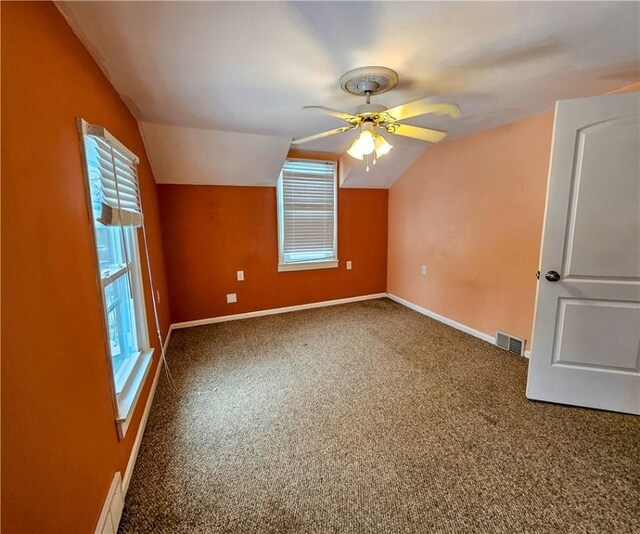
(196, 156)
(250, 67)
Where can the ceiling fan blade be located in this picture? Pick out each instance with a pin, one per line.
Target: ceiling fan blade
(321, 135)
(424, 134)
(419, 107)
(333, 113)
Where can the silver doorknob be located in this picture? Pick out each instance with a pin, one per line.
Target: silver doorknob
(552, 276)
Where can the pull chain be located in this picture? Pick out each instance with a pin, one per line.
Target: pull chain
(368, 93)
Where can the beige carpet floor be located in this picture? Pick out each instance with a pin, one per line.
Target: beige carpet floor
(371, 418)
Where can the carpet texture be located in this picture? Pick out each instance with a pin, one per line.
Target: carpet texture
(371, 418)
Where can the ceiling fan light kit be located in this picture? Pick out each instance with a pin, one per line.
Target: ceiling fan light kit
(369, 142)
(383, 147)
(364, 145)
(367, 81)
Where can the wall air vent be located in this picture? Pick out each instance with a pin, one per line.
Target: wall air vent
(511, 343)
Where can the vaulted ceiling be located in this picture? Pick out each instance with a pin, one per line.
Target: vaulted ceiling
(219, 87)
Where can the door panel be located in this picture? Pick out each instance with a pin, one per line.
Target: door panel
(586, 341)
(596, 210)
(585, 330)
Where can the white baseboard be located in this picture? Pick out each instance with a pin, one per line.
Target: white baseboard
(143, 422)
(449, 322)
(399, 300)
(443, 319)
(274, 311)
(112, 509)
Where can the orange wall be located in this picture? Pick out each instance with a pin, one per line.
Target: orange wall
(210, 232)
(471, 209)
(59, 443)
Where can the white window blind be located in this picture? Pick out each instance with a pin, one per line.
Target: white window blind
(307, 212)
(116, 185)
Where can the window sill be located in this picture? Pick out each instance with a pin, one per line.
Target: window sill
(308, 265)
(130, 394)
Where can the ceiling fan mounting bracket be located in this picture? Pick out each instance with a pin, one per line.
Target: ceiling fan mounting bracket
(365, 81)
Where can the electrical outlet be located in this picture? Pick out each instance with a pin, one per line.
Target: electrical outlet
(423, 270)
(157, 296)
(349, 265)
(240, 276)
(231, 298)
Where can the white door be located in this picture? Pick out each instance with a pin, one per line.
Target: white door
(586, 338)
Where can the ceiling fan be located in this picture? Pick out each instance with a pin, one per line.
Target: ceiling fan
(371, 118)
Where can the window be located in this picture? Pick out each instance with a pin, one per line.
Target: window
(307, 217)
(115, 214)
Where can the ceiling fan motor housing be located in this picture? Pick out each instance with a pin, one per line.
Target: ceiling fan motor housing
(370, 109)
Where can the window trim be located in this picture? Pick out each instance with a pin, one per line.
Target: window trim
(309, 264)
(131, 384)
